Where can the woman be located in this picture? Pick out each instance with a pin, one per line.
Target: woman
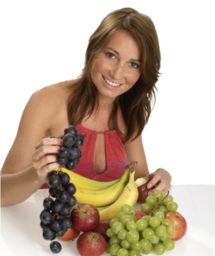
(110, 103)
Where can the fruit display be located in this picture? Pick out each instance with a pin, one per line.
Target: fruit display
(154, 228)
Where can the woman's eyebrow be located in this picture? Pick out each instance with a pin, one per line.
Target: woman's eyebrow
(118, 53)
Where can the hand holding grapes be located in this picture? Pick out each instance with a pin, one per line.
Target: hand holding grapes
(45, 157)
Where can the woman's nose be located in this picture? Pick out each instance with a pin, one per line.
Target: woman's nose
(117, 73)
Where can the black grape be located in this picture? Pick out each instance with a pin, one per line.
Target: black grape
(46, 217)
(70, 165)
(71, 189)
(64, 152)
(57, 206)
(54, 181)
(64, 196)
(61, 232)
(79, 141)
(71, 129)
(72, 201)
(55, 247)
(66, 210)
(61, 160)
(65, 179)
(47, 203)
(69, 140)
(56, 225)
(74, 153)
(66, 223)
(52, 192)
(48, 234)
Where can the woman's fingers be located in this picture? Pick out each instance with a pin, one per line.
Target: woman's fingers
(43, 172)
(49, 142)
(160, 186)
(44, 150)
(44, 160)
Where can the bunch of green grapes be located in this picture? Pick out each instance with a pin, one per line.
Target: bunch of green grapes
(132, 237)
(165, 205)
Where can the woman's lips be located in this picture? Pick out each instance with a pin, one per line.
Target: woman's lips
(111, 86)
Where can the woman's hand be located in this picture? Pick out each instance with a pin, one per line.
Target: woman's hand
(161, 179)
(45, 157)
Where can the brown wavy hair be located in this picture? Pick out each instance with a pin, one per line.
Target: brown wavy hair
(136, 103)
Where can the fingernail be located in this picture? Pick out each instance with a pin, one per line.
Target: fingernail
(149, 185)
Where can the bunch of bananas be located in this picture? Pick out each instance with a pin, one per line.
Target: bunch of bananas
(109, 196)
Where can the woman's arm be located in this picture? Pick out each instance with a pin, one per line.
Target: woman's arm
(135, 152)
(31, 157)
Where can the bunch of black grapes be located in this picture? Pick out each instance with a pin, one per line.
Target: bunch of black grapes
(57, 206)
(70, 153)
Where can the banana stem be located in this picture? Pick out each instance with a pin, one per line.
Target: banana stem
(131, 167)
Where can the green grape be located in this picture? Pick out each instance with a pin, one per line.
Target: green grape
(136, 246)
(119, 215)
(147, 218)
(109, 232)
(160, 230)
(159, 214)
(147, 251)
(163, 209)
(134, 218)
(114, 240)
(158, 194)
(148, 233)
(166, 222)
(113, 221)
(141, 224)
(122, 252)
(170, 229)
(116, 227)
(133, 210)
(131, 225)
(125, 219)
(145, 244)
(133, 253)
(165, 237)
(159, 249)
(155, 239)
(146, 208)
(125, 244)
(151, 200)
(133, 236)
(169, 198)
(154, 221)
(108, 248)
(168, 244)
(172, 206)
(125, 208)
(114, 248)
(122, 234)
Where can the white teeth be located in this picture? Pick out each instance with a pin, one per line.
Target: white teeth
(111, 83)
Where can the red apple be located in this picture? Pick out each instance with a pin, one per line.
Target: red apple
(140, 214)
(85, 217)
(91, 244)
(179, 223)
(70, 234)
(102, 227)
(142, 189)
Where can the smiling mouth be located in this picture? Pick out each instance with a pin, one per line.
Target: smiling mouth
(110, 82)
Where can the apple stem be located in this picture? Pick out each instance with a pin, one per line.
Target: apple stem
(158, 204)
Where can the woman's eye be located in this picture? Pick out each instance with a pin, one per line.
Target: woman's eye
(109, 54)
(134, 65)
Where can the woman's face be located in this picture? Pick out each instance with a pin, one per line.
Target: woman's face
(116, 67)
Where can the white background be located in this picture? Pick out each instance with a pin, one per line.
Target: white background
(44, 42)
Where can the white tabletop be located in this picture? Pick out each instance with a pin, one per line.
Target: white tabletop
(21, 233)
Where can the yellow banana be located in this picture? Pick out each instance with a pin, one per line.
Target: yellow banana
(85, 183)
(102, 197)
(129, 196)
